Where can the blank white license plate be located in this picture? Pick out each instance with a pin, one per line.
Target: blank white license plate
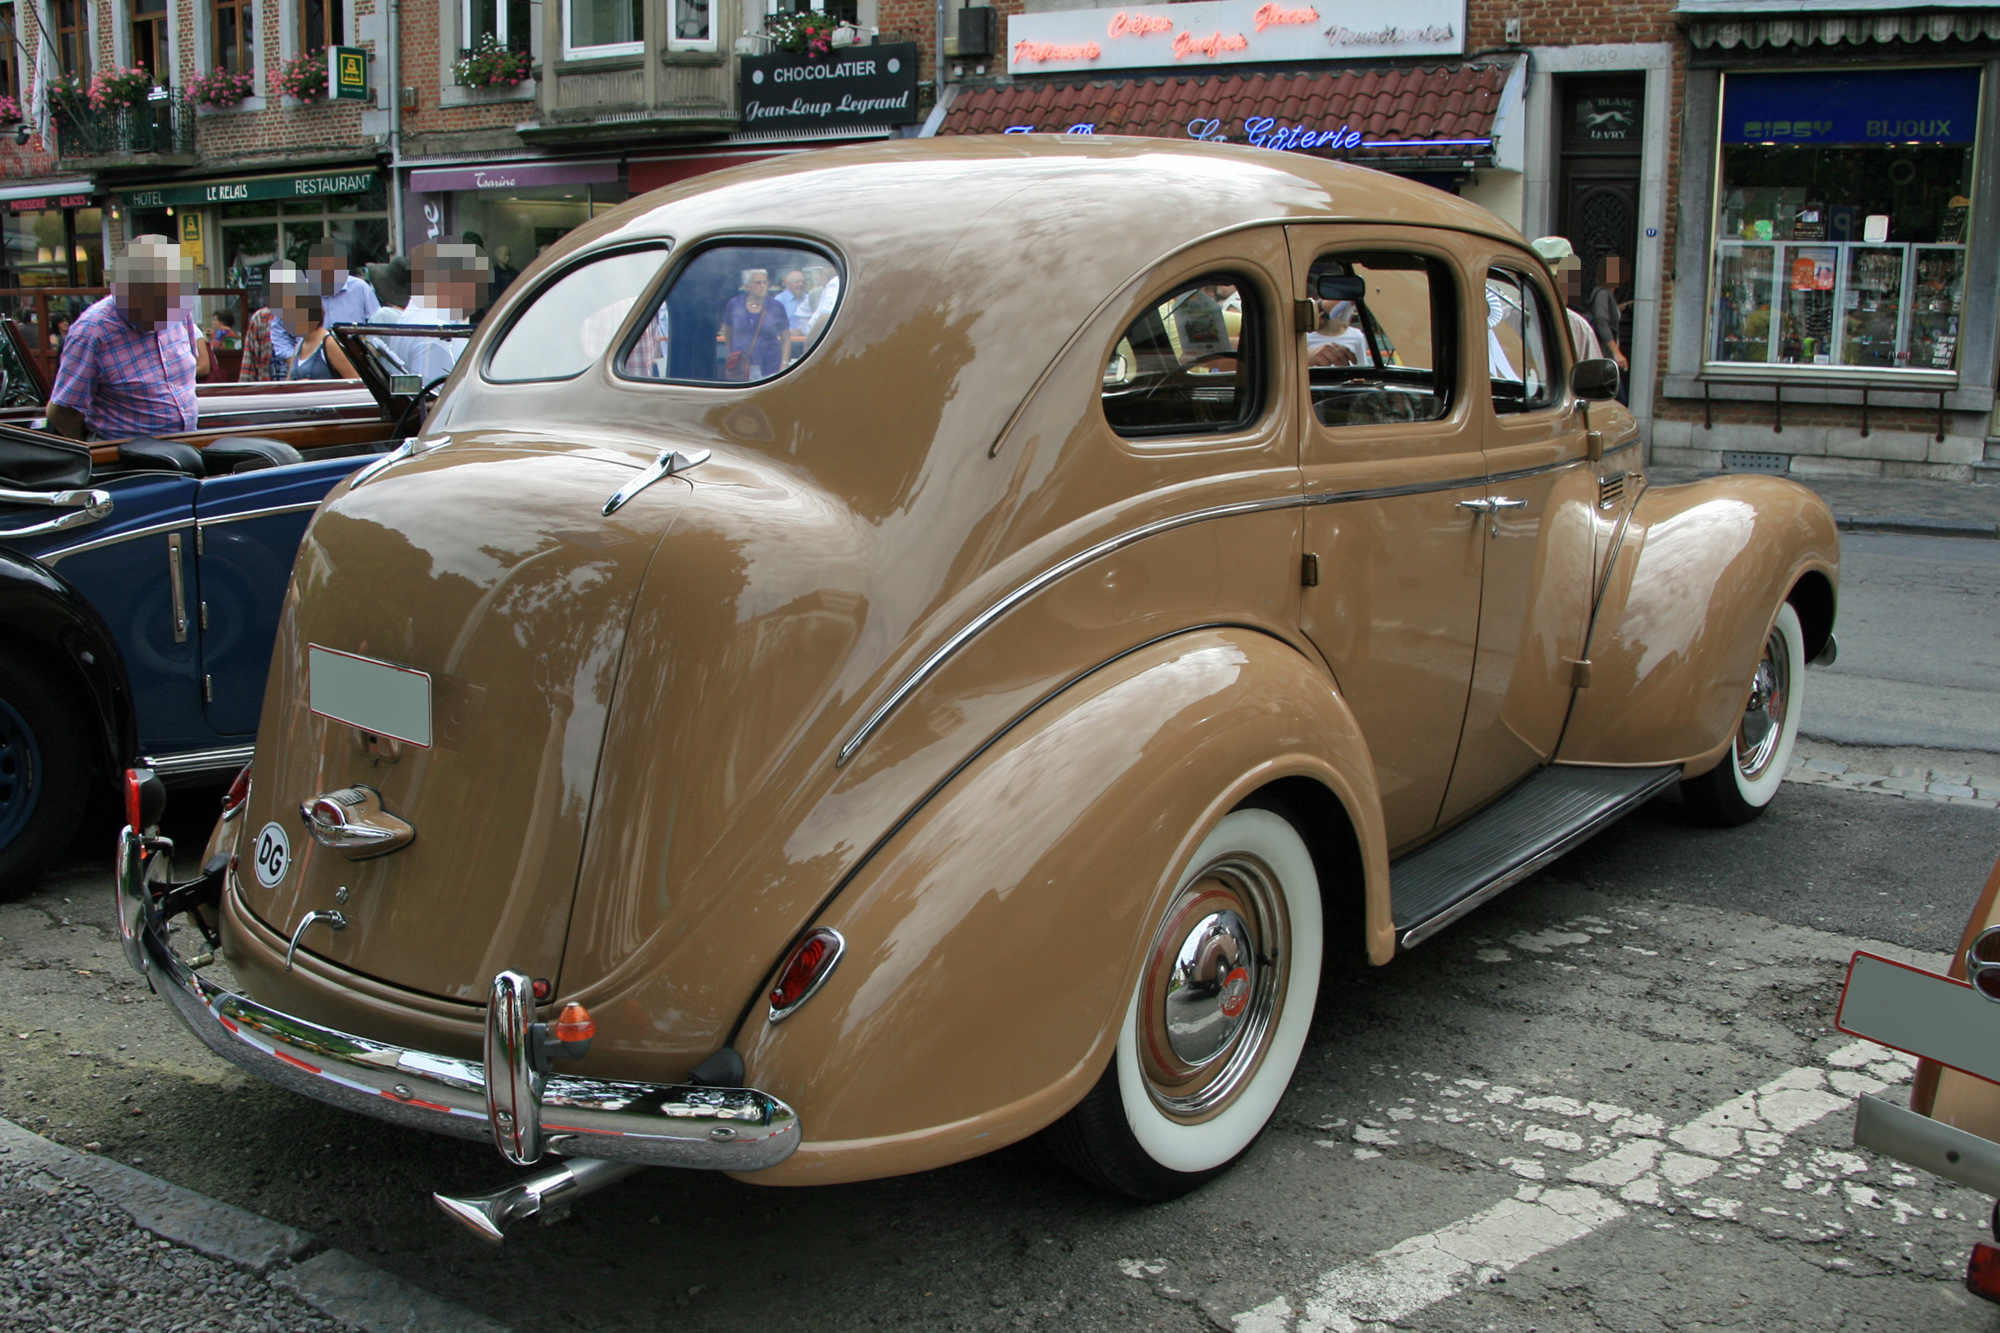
(375, 696)
(1921, 1013)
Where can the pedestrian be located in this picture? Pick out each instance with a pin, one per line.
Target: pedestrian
(128, 364)
(346, 297)
(1604, 311)
(318, 356)
(451, 281)
(1560, 256)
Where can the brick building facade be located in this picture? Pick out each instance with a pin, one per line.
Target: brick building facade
(1561, 116)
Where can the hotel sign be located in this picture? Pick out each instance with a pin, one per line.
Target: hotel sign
(259, 187)
(1205, 33)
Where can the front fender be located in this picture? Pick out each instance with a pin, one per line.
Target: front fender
(1682, 618)
(42, 614)
(993, 941)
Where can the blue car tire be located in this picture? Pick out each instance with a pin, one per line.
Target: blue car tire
(44, 773)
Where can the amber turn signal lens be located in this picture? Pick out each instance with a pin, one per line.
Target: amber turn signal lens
(575, 1024)
(804, 970)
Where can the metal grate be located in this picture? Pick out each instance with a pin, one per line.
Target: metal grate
(1611, 491)
(1746, 460)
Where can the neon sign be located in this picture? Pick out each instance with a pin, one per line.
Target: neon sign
(1271, 16)
(1138, 25)
(1216, 43)
(1035, 53)
(1266, 132)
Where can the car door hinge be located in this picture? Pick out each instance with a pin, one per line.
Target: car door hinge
(204, 615)
(1579, 674)
(207, 688)
(1305, 316)
(199, 542)
(1309, 571)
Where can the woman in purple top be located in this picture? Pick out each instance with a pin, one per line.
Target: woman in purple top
(753, 331)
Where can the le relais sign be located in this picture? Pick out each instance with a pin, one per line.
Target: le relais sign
(1223, 32)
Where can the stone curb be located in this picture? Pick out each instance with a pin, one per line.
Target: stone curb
(1918, 526)
(1916, 784)
(333, 1282)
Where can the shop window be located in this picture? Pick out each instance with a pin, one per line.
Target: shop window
(10, 79)
(508, 22)
(571, 321)
(1190, 363)
(1841, 228)
(736, 314)
(322, 23)
(603, 28)
(693, 26)
(72, 36)
(1522, 363)
(235, 25)
(149, 38)
(1383, 347)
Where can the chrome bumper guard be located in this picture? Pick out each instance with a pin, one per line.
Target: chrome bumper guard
(520, 1111)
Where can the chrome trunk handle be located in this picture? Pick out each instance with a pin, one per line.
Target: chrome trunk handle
(84, 507)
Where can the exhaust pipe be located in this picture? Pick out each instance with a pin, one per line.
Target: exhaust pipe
(547, 1195)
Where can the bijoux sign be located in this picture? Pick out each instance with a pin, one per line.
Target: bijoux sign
(1218, 32)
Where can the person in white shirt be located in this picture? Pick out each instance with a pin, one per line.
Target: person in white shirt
(449, 280)
(346, 297)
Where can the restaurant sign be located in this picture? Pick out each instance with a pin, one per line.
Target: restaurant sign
(852, 86)
(257, 187)
(1220, 32)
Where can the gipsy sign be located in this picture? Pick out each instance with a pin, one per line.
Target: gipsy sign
(1220, 32)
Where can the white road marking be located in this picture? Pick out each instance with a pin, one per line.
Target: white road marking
(1395, 1283)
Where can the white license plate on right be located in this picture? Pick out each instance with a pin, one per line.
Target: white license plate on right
(378, 697)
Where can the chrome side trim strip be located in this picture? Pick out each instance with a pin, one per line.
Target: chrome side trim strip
(929, 666)
(256, 513)
(148, 531)
(189, 762)
(1927, 1144)
(1423, 930)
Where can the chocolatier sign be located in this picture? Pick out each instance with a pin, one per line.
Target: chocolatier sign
(1220, 32)
(852, 86)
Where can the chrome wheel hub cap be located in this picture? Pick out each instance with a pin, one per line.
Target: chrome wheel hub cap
(1764, 715)
(1212, 987)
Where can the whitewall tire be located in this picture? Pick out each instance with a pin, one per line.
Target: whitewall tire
(1739, 788)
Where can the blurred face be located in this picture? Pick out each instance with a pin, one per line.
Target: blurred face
(758, 285)
(1611, 272)
(328, 265)
(153, 284)
(453, 278)
(1572, 277)
(795, 283)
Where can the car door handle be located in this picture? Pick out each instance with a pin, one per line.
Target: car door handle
(1505, 502)
(83, 506)
(1480, 506)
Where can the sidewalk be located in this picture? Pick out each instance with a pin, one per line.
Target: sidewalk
(1926, 508)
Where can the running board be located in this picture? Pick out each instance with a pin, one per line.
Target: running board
(1530, 826)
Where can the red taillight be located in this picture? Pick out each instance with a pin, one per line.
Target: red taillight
(145, 798)
(575, 1024)
(239, 792)
(542, 990)
(805, 970)
(1982, 1272)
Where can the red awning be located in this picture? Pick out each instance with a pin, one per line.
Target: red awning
(1446, 112)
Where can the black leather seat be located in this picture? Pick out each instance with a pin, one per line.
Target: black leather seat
(247, 453)
(152, 455)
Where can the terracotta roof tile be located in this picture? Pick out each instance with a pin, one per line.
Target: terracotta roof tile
(1395, 110)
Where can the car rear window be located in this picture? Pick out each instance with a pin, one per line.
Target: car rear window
(573, 319)
(736, 314)
(1190, 363)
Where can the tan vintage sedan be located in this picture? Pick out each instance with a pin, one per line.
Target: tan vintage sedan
(890, 651)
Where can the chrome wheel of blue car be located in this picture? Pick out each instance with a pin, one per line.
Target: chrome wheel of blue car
(44, 771)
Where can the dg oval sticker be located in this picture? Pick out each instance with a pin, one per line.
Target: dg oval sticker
(274, 855)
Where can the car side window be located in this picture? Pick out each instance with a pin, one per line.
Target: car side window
(1191, 363)
(1522, 361)
(1382, 347)
(570, 321)
(736, 314)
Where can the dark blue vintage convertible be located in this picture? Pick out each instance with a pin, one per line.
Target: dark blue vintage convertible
(141, 582)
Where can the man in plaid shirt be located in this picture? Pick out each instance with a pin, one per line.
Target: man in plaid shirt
(128, 363)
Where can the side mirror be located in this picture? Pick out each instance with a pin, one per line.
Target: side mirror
(1342, 287)
(1595, 380)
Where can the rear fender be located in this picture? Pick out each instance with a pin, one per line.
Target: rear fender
(994, 940)
(1697, 582)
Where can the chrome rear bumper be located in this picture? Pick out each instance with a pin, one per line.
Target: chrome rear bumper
(654, 1124)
